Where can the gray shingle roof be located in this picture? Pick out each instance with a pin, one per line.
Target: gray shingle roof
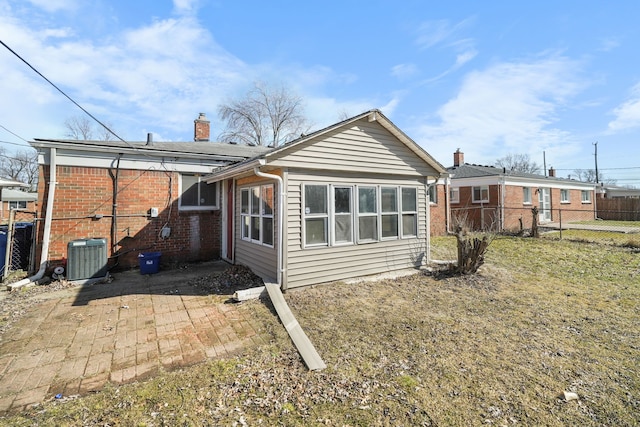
(213, 149)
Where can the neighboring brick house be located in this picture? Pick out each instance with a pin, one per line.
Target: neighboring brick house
(139, 196)
(490, 197)
(18, 200)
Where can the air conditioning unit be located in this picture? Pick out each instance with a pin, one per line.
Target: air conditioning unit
(86, 258)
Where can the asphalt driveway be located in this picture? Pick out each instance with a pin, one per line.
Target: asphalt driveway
(75, 340)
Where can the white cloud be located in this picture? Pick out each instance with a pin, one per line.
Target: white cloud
(627, 115)
(55, 5)
(509, 107)
(403, 71)
(432, 33)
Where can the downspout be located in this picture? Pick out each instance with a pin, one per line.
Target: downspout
(502, 191)
(427, 186)
(44, 255)
(280, 268)
(114, 209)
(447, 197)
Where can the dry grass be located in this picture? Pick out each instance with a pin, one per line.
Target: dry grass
(497, 348)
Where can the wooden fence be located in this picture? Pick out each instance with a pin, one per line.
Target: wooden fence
(618, 209)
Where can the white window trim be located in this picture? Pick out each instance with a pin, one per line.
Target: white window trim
(568, 199)
(216, 206)
(306, 216)
(433, 188)
(588, 193)
(395, 213)
(368, 214)
(355, 215)
(333, 214)
(261, 215)
(456, 191)
(525, 201)
(473, 193)
(409, 212)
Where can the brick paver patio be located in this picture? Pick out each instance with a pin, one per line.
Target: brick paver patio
(126, 330)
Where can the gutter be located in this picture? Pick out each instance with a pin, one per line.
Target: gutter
(44, 255)
(280, 267)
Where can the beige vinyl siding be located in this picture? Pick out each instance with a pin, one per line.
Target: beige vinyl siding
(330, 263)
(365, 147)
(261, 259)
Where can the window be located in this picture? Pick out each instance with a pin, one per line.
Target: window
(20, 204)
(389, 214)
(564, 196)
(526, 195)
(342, 215)
(480, 194)
(367, 214)
(256, 214)
(335, 215)
(586, 196)
(197, 194)
(409, 212)
(433, 194)
(316, 215)
(454, 195)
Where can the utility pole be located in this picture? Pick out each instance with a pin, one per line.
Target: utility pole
(596, 157)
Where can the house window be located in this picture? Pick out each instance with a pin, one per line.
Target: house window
(586, 196)
(342, 215)
(316, 215)
(20, 204)
(526, 195)
(433, 194)
(389, 214)
(334, 215)
(409, 212)
(256, 214)
(197, 194)
(564, 196)
(367, 214)
(480, 194)
(454, 195)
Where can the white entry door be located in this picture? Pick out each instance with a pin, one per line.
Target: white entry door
(544, 197)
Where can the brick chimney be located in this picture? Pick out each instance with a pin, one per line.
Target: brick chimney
(458, 158)
(552, 172)
(201, 128)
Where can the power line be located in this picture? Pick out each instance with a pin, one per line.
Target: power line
(61, 91)
(15, 143)
(13, 133)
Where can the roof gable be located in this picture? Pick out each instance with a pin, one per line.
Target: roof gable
(368, 142)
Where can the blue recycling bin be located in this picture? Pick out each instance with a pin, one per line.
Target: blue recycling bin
(3, 248)
(149, 262)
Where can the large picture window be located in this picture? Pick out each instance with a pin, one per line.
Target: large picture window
(256, 214)
(335, 215)
(195, 194)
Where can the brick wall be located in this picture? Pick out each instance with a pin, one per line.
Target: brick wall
(438, 213)
(84, 192)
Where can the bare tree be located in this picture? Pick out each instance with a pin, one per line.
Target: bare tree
(266, 115)
(21, 166)
(589, 175)
(518, 163)
(81, 128)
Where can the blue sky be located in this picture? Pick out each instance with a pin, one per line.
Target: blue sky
(490, 77)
